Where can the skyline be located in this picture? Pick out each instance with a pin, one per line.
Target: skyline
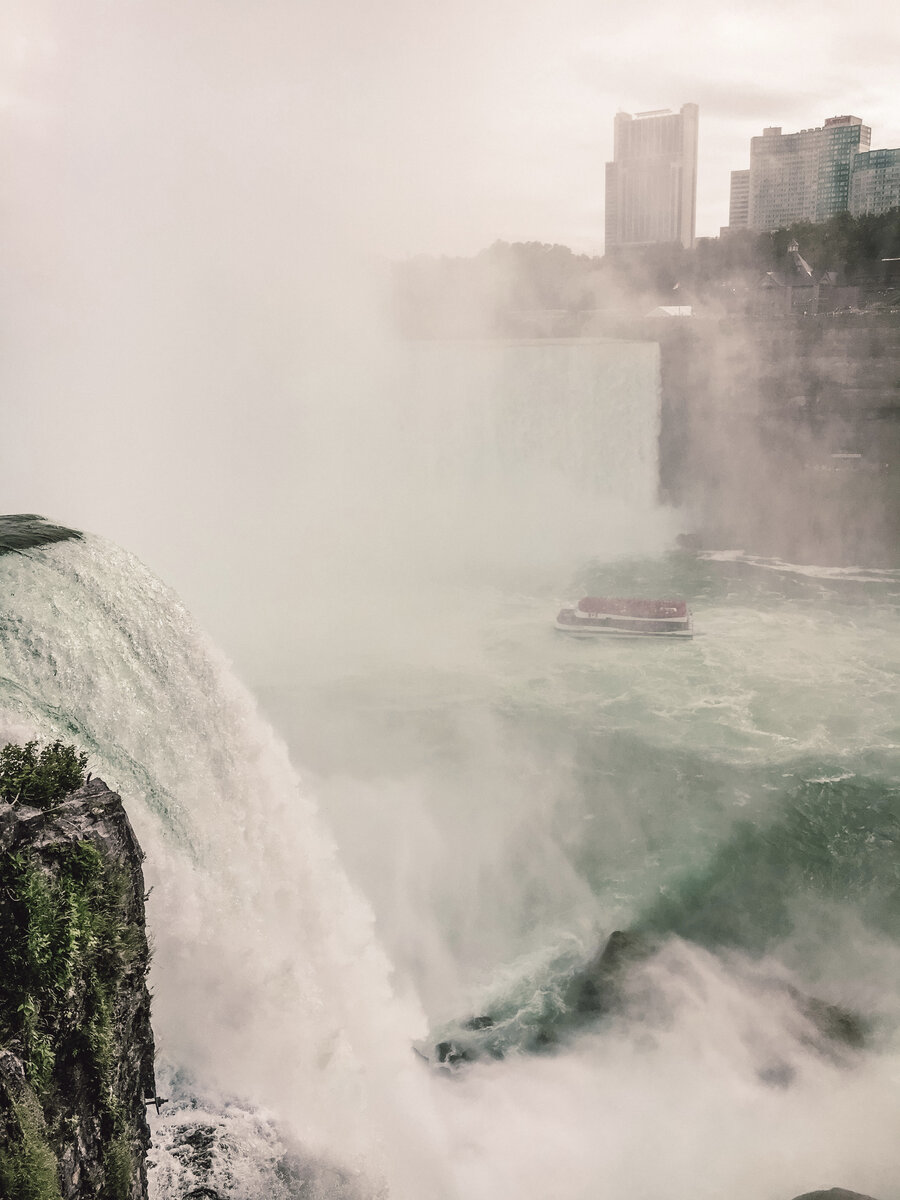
(409, 131)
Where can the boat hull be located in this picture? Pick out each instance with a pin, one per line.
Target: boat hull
(627, 619)
(583, 630)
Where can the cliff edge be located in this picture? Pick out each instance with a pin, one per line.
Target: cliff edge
(76, 1047)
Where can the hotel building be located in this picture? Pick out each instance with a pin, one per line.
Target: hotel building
(739, 200)
(651, 184)
(875, 183)
(803, 176)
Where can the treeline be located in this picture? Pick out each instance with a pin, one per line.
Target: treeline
(853, 247)
(532, 287)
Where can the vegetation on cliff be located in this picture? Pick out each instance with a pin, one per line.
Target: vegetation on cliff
(73, 961)
(40, 778)
(501, 290)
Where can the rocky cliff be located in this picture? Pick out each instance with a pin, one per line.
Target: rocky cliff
(76, 1048)
(782, 437)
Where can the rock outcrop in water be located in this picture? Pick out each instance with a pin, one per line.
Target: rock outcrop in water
(608, 986)
(242, 1153)
(76, 1047)
(834, 1193)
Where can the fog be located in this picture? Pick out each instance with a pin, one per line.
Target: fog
(199, 206)
(197, 211)
(179, 263)
(199, 203)
(193, 206)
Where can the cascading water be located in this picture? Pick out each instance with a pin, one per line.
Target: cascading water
(269, 988)
(492, 800)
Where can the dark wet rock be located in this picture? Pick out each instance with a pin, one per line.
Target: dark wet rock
(597, 989)
(214, 1159)
(609, 986)
(835, 1193)
(479, 1023)
(76, 1048)
(835, 1023)
(451, 1054)
(194, 1146)
(24, 531)
(593, 992)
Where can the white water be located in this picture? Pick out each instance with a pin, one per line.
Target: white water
(270, 988)
(483, 801)
(268, 983)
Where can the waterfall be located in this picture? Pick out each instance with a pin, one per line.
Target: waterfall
(272, 993)
(510, 452)
(270, 989)
(482, 801)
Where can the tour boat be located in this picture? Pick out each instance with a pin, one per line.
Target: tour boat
(626, 618)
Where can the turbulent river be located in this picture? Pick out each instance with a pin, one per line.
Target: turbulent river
(433, 806)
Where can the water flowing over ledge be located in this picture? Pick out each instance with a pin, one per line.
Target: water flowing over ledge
(25, 531)
(482, 806)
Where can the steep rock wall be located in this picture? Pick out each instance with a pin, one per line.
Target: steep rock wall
(76, 1048)
(782, 437)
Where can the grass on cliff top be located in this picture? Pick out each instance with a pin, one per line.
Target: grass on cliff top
(40, 778)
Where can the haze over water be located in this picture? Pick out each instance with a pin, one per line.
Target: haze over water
(453, 805)
(505, 798)
(482, 801)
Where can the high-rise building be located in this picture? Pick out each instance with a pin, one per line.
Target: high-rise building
(842, 140)
(651, 184)
(875, 183)
(803, 176)
(739, 200)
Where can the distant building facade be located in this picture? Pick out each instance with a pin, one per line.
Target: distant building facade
(797, 288)
(784, 173)
(875, 183)
(803, 176)
(843, 139)
(651, 184)
(739, 200)
(813, 175)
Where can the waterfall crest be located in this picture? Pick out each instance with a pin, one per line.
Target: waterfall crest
(269, 986)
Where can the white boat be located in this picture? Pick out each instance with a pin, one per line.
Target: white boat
(617, 617)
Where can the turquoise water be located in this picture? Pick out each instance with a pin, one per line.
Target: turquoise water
(569, 787)
(505, 797)
(482, 802)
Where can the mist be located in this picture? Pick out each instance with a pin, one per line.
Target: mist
(199, 353)
(202, 210)
(453, 807)
(180, 266)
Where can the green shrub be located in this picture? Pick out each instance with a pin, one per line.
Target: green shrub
(65, 947)
(63, 942)
(66, 944)
(28, 1169)
(40, 778)
(117, 1164)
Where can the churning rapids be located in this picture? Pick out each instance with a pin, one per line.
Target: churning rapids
(480, 802)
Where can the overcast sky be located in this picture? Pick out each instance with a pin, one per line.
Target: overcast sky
(415, 126)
